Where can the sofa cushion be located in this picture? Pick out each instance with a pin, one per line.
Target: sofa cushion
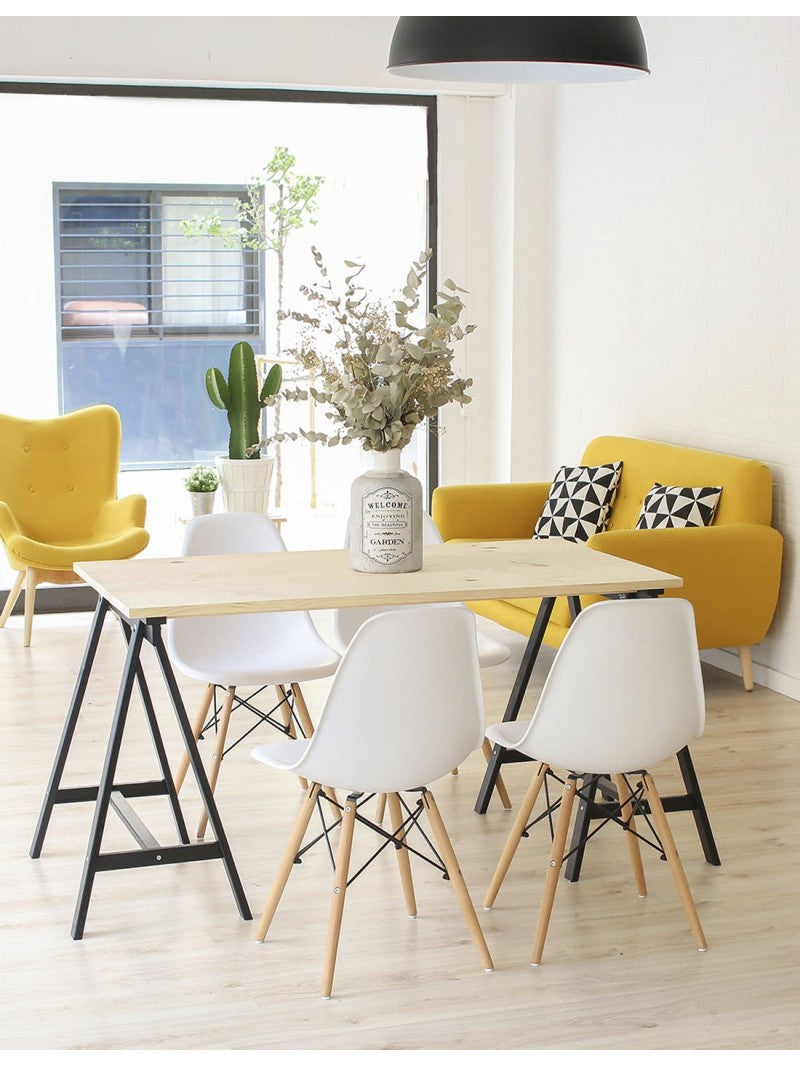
(668, 506)
(579, 502)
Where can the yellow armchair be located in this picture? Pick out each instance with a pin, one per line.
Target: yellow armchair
(731, 570)
(58, 500)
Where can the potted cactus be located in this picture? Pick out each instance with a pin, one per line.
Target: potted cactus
(244, 474)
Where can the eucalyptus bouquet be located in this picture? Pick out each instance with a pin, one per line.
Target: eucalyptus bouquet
(377, 372)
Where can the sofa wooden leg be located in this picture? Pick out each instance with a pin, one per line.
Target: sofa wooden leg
(746, 660)
(31, 581)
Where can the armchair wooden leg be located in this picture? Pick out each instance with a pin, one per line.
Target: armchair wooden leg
(380, 808)
(216, 759)
(456, 878)
(339, 892)
(675, 865)
(287, 862)
(553, 870)
(31, 581)
(12, 598)
(403, 859)
(626, 811)
(515, 836)
(197, 729)
(746, 661)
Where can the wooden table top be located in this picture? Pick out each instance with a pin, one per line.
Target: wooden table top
(286, 581)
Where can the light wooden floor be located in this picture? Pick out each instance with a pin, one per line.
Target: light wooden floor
(167, 964)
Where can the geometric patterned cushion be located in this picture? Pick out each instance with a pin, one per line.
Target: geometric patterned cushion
(579, 502)
(667, 506)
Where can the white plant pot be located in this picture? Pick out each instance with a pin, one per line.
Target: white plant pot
(245, 483)
(202, 503)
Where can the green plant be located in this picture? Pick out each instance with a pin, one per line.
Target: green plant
(381, 375)
(277, 202)
(239, 395)
(201, 479)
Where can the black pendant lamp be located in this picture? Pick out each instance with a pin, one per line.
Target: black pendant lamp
(511, 49)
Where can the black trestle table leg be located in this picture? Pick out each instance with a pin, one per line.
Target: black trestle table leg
(68, 731)
(158, 745)
(90, 866)
(698, 808)
(515, 700)
(206, 794)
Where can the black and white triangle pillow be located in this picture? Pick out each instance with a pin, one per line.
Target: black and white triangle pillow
(667, 506)
(579, 502)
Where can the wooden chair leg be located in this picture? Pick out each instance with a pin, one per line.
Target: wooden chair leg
(380, 809)
(12, 598)
(302, 710)
(746, 661)
(553, 869)
(626, 811)
(515, 836)
(675, 865)
(403, 859)
(31, 581)
(499, 785)
(339, 892)
(287, 862)
(216, 759)
(456, 878)
(197, 729)
(308, 729)
(288, 722)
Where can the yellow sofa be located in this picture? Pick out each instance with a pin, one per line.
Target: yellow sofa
(731, 569)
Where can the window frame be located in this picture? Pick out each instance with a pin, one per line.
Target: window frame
(63, 598)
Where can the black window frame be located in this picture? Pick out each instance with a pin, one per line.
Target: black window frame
(67, 598)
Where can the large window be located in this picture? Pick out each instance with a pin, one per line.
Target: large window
(114, 303)
(145, 309)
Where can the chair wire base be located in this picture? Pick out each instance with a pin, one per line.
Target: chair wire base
(398, 838)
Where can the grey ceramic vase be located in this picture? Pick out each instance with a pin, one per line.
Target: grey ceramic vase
(385, 532)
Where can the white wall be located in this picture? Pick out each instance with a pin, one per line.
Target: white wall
(676, 262)
(631, 250)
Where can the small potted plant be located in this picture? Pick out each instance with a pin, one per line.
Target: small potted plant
(244, 473)
(202, 482)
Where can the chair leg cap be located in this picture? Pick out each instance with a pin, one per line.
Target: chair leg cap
(534, 965)
(488, 970)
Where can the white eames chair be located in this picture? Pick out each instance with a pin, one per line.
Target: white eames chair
(371, 738)
(346, 622)
(245, 652)
(624, 692)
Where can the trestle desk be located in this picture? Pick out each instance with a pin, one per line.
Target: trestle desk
(144, 593)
